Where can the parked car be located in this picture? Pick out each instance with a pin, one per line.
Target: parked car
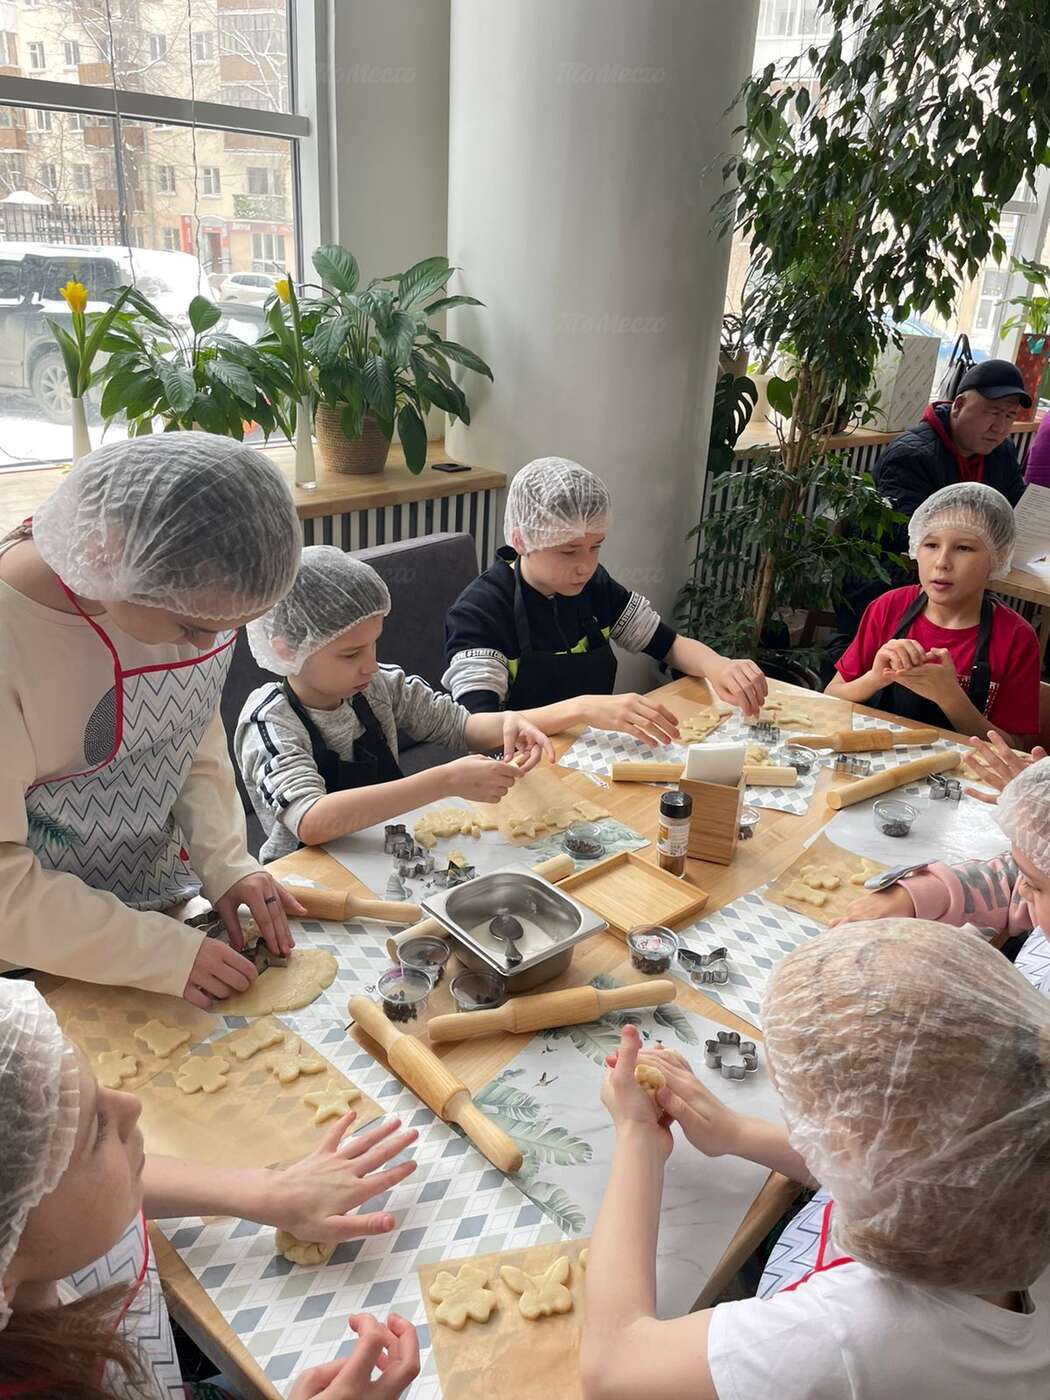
(251, 287)
(30, 277)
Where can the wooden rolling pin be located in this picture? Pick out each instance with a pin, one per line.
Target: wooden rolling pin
(900, 776)
(867, 740)
(554, 868)
(322, 903)
(421, 1071)
(542, 1012)
(652, 771)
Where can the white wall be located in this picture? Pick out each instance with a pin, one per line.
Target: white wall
(579, 209)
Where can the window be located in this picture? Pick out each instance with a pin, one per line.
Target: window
(49, 176)
(12, 171)
(81, 178)
(42, 119)
(170, 240)
(157, 47)
(268, 253)
(264, 180)
(75, 121)
(71, 53)
(35, 50)
(203, 47)
(166, 179)
(9, 49)
(210, 180)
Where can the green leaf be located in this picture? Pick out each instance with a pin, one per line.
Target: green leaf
(330, 337)
(179, 387)
(446, 303)
(413, 434)
(397, 338)
(781, 396)
(114, 395)
(378, 379)
(235, 378)
(462, 356)
(203, 315)
(70, 352)
(544, 1142)
(422, 280)
(338, 267)
(352, 420)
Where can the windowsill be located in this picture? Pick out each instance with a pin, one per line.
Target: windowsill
(22, 491)
(757, 436)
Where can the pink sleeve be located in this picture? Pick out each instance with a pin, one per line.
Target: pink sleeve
(973, 892)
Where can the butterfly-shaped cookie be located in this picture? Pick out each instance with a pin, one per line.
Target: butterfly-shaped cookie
(544, 1294)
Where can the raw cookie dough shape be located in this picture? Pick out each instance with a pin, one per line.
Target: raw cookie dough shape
(307, 1252)
(462, 1295)
(585, 1254)
(260, 1037)
(333, 1103)
(290, 1064)
(865, 874)
(804, 895)
(650, 1078)
(162, 1039)
(542, 1295)
(202, 1072)
(113, 1067)
(309, 972)
(819, 877)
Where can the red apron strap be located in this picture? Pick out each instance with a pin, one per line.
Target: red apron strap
(823, 1264)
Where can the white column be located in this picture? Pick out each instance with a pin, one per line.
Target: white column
(579, 209)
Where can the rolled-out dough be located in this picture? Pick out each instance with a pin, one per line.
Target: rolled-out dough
(462, 1295)
(309, 971)
(544, 1294)
(306, 1252)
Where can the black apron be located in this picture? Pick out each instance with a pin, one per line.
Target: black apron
(372, 761)
(544, 677)
(899, 700)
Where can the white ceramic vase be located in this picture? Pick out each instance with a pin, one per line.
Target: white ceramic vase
(81, 437)
(305, 468)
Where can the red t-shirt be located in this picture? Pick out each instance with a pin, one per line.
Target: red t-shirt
(1013, 655)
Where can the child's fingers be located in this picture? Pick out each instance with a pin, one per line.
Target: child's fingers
(627, 1059)
(339, 1129)
(365, 1141)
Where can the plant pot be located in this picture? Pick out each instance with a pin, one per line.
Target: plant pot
(1032, 356)
(361, 456)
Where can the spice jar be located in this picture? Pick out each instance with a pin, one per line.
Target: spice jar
(672, 837)
(652, 949)
(894, 818)
(404, 991)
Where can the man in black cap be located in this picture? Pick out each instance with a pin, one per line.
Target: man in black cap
(964, 439)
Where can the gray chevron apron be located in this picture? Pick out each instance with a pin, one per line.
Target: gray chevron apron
(112, 823)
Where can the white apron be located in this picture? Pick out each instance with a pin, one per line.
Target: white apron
(111, 824)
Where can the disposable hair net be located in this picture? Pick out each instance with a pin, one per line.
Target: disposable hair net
(968, 505)
(39, 1110)
(1023, 812)
(552, 501)
(913, 1064)
(192, 522)
(332, 592)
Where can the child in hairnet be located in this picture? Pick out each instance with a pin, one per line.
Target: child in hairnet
(1006, 897)
(319, 752)
(913, 1067)
(119, 603)
(82, 1313)
(535, 629)
(943, 651)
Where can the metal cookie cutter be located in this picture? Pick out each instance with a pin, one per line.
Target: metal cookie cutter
(892, 877)
(456, 874)
(256, 952)
(706, 968)
(260, 955)
(724, 1043)
(395, 838)
(846, 766)
(943, 788)
(764, 731)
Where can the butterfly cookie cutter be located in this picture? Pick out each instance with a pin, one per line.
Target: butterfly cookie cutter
(729, 1043)
(706, 968)
(942, 788)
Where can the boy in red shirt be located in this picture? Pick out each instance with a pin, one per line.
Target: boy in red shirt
(943, 652)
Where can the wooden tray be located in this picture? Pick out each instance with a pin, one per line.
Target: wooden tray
(826, 856)
(628, 891)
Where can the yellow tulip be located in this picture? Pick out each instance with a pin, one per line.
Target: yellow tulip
(283, 289)
(75, 295)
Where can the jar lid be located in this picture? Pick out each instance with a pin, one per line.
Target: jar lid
(675, 804)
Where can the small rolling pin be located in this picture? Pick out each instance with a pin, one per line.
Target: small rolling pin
(900, 776)
(572, 1007)
(652, 771)
(322, 903)
(867, 740)
(554, 868)
(421, 1071)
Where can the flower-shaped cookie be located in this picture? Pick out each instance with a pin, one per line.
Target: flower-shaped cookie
(462, 1295)
(113, 1067)
(204, 1073)
(544, 1294)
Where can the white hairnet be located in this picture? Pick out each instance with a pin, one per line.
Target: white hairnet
(913, 1064)
(552, 501)
(192, 522)
(1023, 812)
(332, 592)
(39, 1112)
(968, 505)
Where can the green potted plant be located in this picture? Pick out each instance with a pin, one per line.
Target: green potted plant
(1034, 350)
(376, 361)
(192, 377)
(79, 345)
(859, 207)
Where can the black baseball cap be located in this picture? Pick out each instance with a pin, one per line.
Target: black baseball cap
(996, 379)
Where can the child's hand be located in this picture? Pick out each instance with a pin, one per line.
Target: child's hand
(894, 903)
(936, 679)
(627, 1102)
(312, 1198)
(900, 654)
(269, 904)
(997, 764)
(710, 1126)
(522, 737)
(483, 779)
(739, 683)
(217, 973)
(632, 714)
(393, 1349)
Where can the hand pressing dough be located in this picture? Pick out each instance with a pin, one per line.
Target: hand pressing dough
(113, 1067)
(290, 1064)
(544, 1294)
(260, 1037)
(462, 1295)
(161, 1038)
(203, 1072)
(332, 1104)
(804, 895)
(309, 971)
(650, 1078)
(303, 1251)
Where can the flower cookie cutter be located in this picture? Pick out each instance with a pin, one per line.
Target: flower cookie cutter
(706, 968)
(729, 1043)
(211, 925)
